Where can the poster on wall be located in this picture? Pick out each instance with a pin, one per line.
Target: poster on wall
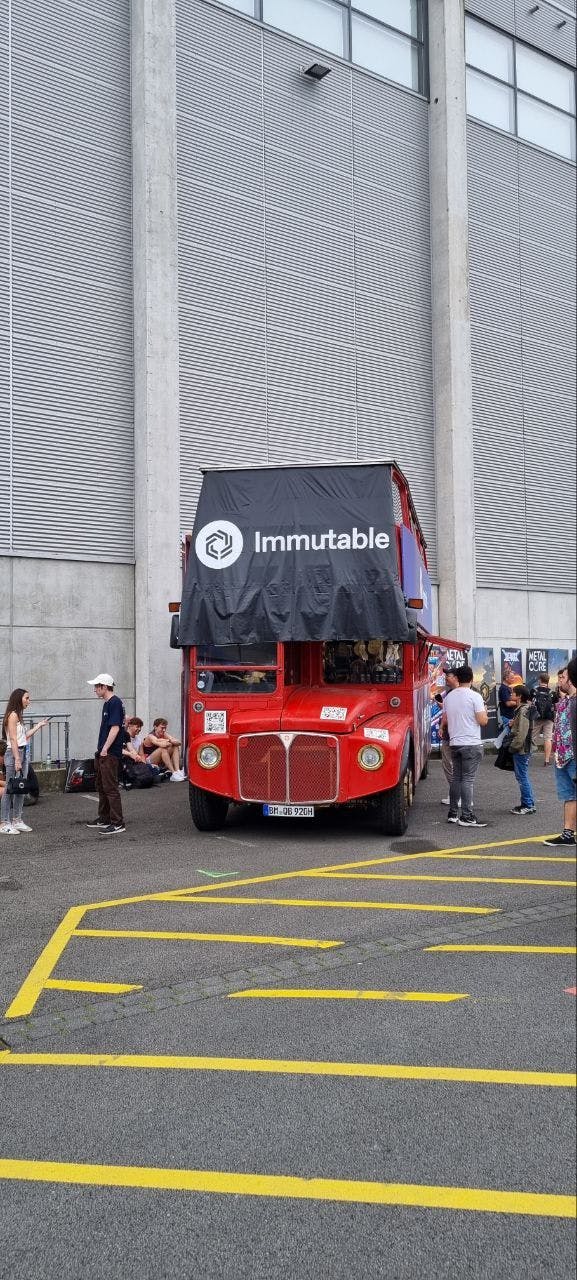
(437, 659)
(558, 658)
(484, 680)
(511, 666)
(536, 664)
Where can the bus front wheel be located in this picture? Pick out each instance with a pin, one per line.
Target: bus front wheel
(208, 811)
(393, 806)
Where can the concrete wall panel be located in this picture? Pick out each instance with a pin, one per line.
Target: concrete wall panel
(5, 591)
(56, 662)
(63, 593)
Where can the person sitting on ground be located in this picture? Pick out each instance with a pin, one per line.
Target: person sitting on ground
(133, 742)
(521, 730)
(162, 749)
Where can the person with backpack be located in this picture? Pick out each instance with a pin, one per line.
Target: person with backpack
(544, 708)
(520, 744)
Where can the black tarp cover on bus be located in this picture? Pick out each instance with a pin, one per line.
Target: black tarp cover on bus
(293, 553)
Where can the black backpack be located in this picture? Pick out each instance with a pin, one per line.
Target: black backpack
(543, 704)
(137, 774)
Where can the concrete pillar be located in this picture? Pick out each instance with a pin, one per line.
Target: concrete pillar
(156, 406)
(451, 323)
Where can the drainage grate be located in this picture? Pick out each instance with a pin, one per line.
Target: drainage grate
(10, 884)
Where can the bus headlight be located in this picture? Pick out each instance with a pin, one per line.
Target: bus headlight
(209, 756)
(370, 757)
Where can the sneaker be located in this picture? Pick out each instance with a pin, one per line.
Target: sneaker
(446, 800)
(471, 822)
(21, 826)
(112, 829)
(8, 830)
(452, 817)
(524, 808)
(97, 824)
(565, 838)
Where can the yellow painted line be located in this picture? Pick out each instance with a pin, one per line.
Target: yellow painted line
(314, 993)
(289, 1066)
(346, 905)
(175, 894)
(23, 1003)
(492, 857)
(207, 1181)
(204, 937)
(379, 875)
(547, 951)
(103, 988)
(28, 994)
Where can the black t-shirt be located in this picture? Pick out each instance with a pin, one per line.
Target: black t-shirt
(112, 714)
(503, 696)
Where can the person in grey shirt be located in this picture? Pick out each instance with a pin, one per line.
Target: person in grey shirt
(464, 713)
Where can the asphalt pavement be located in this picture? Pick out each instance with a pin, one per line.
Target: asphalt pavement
(288, 1048)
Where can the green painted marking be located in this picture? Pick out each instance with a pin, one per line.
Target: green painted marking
(216, 875)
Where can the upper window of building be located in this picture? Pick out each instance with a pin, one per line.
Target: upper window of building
(515, 88)
(386, 36)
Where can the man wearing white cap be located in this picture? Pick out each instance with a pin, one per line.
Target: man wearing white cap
(108, 758)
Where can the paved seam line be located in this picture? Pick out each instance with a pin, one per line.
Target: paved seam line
(40, 1026)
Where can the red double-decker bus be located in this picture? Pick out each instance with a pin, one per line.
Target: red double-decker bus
(305, 628)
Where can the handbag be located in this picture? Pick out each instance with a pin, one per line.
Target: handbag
(504, 758)
(18, 785)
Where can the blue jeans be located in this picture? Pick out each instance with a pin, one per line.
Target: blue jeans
(11, 806)
(521, 767)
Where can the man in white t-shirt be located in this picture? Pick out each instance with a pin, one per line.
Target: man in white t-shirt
(464, 712)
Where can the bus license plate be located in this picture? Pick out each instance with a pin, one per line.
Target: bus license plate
(288, 810)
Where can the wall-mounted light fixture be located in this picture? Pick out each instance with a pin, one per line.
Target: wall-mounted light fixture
(559, 25)
(316, 71)
(534, 9)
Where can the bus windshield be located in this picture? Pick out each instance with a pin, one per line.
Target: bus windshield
(362, 662)
(236, 668)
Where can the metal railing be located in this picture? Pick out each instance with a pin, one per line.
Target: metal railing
(50, 746)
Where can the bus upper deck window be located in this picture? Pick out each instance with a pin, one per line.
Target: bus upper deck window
(362, 662)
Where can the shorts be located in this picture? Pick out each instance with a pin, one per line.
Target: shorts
(565, 781)
(545, 727)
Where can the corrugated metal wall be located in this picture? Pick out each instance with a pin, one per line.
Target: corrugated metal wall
(522, 256)
(66, 209)
(304, 260)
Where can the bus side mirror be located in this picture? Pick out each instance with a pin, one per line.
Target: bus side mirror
(174, 626)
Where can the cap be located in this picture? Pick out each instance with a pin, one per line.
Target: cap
(103, 678)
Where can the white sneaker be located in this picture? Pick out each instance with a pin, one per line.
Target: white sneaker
(8, 830)
(177, 776)
(446, 800)
(21, 826)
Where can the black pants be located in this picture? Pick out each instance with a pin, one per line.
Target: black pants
(109, 803)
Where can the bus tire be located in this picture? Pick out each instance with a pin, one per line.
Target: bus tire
(207, 810)
(393, 806)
